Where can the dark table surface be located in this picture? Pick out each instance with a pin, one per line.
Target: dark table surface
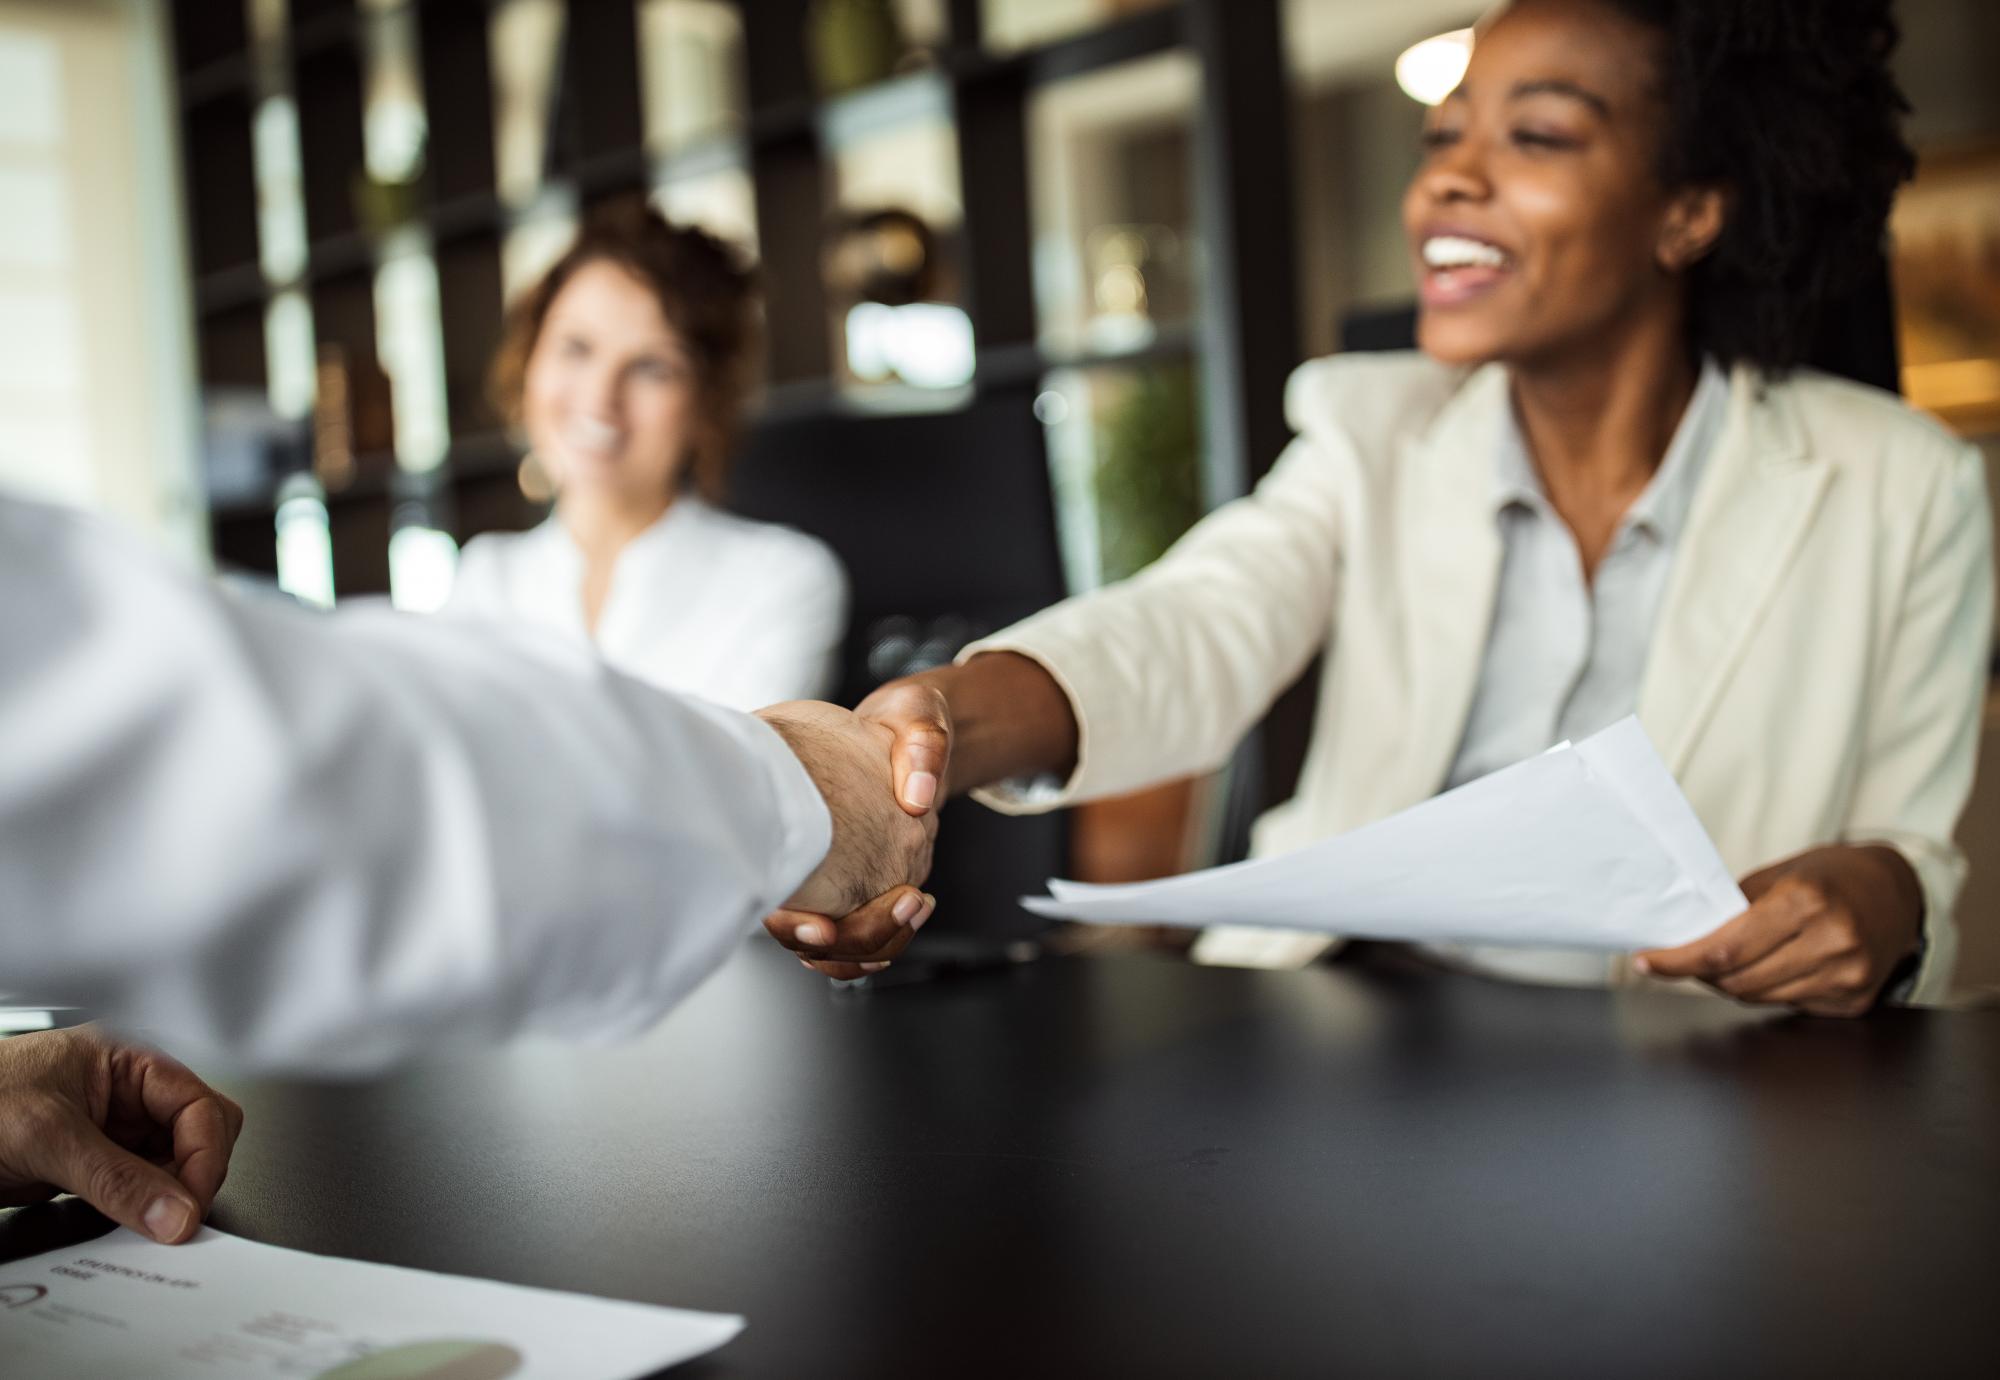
(1127, 1165)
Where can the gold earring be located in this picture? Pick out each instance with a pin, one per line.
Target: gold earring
(533, 477)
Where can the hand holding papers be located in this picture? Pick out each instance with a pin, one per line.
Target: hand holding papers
(1591, 846)
(221, 1307)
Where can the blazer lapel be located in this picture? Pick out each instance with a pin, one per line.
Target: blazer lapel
(1451, 550)
(1754, 507)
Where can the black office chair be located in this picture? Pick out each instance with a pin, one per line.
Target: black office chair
(946, 525)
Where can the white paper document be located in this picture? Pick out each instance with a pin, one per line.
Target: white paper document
(221, 1307)
(1588, 846)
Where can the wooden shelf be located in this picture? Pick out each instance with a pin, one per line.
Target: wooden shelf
(378, 476)
(929, 92)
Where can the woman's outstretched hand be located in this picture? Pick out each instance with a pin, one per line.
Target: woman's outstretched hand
(917, 712)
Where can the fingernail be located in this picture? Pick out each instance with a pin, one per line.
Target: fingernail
(1639, 965)
(815, 935)
(166, 1219)
(907, 907)
(930, 904)
(920, 790)
(873, 967)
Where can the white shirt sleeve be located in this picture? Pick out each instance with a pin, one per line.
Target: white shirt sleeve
(321, 842)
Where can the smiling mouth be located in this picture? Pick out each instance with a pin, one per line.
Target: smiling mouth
(1459, 269)
(589, 437)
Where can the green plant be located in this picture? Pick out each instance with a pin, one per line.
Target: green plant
(1148, 473)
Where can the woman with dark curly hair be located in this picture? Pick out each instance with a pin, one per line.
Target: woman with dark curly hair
(1603, 487)
(625, 367)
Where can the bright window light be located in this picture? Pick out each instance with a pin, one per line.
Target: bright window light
(1432, 70)
(422, 564)
(410, 343)
(927, 344)
(305, 544)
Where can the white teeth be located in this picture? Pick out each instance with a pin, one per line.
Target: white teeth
(1455, 251)
(586, 434)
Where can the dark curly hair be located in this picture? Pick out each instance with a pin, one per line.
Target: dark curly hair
(707, 293)
(1791, 106)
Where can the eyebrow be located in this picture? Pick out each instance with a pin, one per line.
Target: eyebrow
(1548, 86)
(1561, 88)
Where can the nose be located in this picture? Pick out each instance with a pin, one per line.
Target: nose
(1456, 172)
(596, 395)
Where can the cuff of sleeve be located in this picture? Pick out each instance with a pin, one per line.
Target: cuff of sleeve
(1939, 876)
(805, 826)
(1034, 795)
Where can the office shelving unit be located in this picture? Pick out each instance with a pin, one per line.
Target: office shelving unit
(1243, 339)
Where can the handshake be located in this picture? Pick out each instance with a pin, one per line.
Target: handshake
(881, 770)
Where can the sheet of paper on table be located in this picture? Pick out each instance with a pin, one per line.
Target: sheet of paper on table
(221, 1307)
(1588, 846)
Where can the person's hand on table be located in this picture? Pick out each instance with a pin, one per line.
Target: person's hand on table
(1824, 932)
(130, 1131)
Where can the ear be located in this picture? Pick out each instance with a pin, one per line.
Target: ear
(1691, 226)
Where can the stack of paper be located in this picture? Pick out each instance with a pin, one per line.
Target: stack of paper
(1588, 846)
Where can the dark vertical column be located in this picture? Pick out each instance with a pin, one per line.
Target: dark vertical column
(789, 178)
(774, 52)
(469, 306)
(459, 163)
(220, 178)
(458, 98)
(600, 125)
(1249, 319)
(998, 236)
(326, 82)
(219, 192)
(1243, 173)
(967, 25)
(206, 32)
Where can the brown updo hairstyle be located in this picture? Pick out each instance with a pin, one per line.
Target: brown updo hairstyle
(707, 293)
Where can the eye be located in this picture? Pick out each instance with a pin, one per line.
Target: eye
(1437, 137)
(655, 369)
(1542, 141)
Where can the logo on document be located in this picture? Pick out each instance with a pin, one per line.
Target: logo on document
(21, 1295)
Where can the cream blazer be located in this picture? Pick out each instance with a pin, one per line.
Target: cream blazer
(1816, 674)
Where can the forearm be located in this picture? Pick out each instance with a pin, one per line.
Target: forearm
(321, 842)
(1009, 719)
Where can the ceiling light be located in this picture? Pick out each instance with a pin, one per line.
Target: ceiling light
(1431, 70)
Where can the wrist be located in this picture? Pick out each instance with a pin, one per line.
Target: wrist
(1009, 719)
(1899, 880)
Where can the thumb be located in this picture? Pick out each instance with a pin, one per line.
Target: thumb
(917, 715)
(128, 1190)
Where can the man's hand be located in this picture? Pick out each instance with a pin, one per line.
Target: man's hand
(1823, 933)
(876, 844)
(125, 1128)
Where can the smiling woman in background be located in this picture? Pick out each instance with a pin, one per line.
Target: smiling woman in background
(1605, 486)
(626, 366)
